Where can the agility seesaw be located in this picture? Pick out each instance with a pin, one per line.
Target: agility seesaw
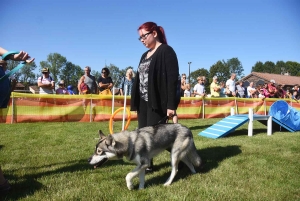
(118, 110)
(5, 57)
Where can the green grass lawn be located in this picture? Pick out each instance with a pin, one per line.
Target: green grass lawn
(48, 161)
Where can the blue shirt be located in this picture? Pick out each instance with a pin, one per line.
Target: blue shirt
(128, 83)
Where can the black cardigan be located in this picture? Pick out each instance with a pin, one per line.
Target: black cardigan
(162, 81)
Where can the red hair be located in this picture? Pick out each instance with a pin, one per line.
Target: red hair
(151, 26)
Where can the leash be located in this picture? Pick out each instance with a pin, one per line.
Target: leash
(21, 65)
(165, 119)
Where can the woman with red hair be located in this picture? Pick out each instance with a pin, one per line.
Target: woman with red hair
(156, 90)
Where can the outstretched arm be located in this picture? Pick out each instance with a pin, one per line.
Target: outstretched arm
(21, 56)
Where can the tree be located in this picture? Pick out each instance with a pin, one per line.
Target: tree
(27, 75)
(115, 74)
(95, 73)
(71, 73)
(280, 68)
(293, 68)
(55, 62)
(235, 66)
(258, 67)
(221, 70)
(269, 67)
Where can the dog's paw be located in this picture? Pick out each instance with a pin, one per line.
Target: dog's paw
(167, 184)
(130, 186)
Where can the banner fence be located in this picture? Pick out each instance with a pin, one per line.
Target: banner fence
(94, 108)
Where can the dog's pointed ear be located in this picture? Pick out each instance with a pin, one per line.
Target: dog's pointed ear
(110, 140)
(101, 134)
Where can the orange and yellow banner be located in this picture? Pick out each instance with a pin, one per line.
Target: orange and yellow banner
(88, 108)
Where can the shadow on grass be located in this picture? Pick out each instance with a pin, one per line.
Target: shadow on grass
(27, 185)
(211, 157)
(244, 132)
(193, 128)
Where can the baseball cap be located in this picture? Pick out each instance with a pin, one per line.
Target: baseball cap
(61, 82)
(45, 70)
(273, 81)
(215, 77)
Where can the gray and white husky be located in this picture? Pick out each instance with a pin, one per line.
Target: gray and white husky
(141, 145)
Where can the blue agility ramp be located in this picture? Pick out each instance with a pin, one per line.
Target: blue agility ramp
(281, 117)
(225, 126)
(285, 116)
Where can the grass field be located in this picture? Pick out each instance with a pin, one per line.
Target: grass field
(48, 161)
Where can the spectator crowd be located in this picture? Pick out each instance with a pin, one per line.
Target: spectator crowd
(230, 88)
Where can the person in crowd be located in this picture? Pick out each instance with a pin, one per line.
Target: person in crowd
(70, 90)
(231, 85)
(228, 93)
(154, 92)
(296, 93)
(288, 93)
(280, 92)
(187, 91)
(104, 81)
(283, 90)
(215, 87)
(261, 93)
(266, 91)
(183, 84)
(87, 83)
(61, 88)
(45, 82)
(296, 88)
(128, 82)
(240, 90)
(222, 89)
(12, 78)
(5, 91)
(199, 88)
(251, 91)
(257, 92)
(272, 89)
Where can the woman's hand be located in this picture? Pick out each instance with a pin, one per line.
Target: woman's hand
(170, 113)
(22, 56)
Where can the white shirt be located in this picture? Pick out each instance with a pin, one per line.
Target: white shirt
(199, 88)
(249, 89)
(231, 85)
(45, 90)
(187, 93)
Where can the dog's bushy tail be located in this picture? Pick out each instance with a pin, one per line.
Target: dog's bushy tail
(193, 156)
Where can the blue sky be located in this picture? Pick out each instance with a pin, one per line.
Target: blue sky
(98, 32)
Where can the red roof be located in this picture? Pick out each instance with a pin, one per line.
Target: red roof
(279, 79)
(20, 85)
